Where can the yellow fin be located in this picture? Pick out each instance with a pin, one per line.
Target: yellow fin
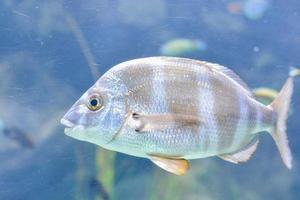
(144, 123)
(172, 165)
(242, 155)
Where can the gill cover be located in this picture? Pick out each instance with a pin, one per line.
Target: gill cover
(99, 125)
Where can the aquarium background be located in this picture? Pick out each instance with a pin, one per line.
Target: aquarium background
(52, 51)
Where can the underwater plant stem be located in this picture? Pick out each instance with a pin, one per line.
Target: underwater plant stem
(104, 160)
(80, 176)
(165, 186)
(105, 173)
(74, 27)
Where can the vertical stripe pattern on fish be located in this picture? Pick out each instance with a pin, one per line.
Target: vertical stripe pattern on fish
(172, 109)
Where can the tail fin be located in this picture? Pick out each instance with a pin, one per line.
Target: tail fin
(281, 106)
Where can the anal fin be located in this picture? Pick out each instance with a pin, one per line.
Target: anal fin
(242, 155)
(172, 165)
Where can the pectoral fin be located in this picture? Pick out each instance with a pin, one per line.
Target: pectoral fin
(243, 155)
(175, 166)
(144, 123)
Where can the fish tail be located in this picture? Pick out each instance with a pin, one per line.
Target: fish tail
(281, 106)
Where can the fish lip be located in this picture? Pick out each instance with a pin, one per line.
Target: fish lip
(67, 123)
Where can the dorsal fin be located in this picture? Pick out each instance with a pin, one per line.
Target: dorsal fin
(229, 73)
(214, 67)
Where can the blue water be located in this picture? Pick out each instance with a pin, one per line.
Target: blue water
(43, 71)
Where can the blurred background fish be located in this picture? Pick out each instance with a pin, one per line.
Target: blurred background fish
(294, 71)
(17, 135)
(251, 9)
(265, 95)
(182, 46)
(255, 9)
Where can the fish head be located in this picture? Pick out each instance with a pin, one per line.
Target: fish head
(97, 116)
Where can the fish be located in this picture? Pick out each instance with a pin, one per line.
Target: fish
(171, 110)
(182, 46)
(19, 136)
(265, 95)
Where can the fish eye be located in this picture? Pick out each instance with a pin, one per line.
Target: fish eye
(95, 103)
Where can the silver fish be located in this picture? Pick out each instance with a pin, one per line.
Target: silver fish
(170, 109)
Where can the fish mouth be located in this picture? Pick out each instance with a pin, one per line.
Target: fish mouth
(67, 123)
(70, 127)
